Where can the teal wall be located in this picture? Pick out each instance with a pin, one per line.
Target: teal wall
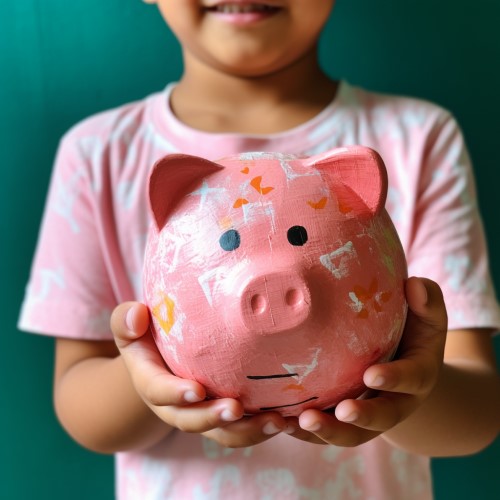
(61, 61)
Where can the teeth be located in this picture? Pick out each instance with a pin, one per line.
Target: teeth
(231, 8)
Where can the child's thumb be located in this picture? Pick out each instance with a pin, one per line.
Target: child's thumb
(129, 321)
(426, 301)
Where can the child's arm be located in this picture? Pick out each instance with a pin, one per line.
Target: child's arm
(110, 400)
(462, 414)
(95, 401)
(424, 405)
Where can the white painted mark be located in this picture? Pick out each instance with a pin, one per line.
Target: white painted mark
(303, 370)
(343, 255)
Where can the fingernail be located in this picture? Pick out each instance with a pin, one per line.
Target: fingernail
(421, 291)
(377, 381)
(425, 295)
(228, 416)
(315, 426)
(129, 319)
(192, 397)
(289, 429)
(345, 416)
(270, 428)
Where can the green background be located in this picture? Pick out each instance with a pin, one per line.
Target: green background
(62, 60)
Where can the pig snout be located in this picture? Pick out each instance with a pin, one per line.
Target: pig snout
(275, 302)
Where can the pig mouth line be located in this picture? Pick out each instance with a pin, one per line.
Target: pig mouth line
(267, 408)
(278, 375)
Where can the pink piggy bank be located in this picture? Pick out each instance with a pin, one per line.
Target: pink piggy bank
(274, 279)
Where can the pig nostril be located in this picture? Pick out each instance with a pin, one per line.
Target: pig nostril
(294, 297)
(258, 304)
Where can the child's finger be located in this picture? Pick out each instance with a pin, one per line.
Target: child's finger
(129, 321)
(293, 429)
(150, 375)
(426, 302)
(203, 416)
(154, 382)
(378, 414)
(407, 375)
(159, 387)
(330, 430)
(248, 431)
(420, 354)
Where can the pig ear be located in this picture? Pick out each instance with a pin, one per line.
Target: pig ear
(172, 178)
(358, 175)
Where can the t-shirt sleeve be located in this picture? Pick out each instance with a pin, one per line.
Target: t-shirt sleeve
(448, 242)
(69, 293)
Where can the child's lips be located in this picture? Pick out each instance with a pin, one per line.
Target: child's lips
(242, 10)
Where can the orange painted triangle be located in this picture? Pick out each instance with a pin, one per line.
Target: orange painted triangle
(319, 204)
(256, 184)
(240, 202)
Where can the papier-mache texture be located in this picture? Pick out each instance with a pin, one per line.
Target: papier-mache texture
(274, 279)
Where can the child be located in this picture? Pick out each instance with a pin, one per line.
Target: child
(252, 82)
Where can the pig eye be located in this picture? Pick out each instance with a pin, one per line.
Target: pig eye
(297, 236)
(230, 240)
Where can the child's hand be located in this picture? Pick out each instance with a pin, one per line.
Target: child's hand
(403, 384)
(178, 402)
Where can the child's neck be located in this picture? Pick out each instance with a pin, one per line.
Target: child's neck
(214, 101)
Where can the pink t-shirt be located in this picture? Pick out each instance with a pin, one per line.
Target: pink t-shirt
(90, 251)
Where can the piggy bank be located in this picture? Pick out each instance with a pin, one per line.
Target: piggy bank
(272, 278)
